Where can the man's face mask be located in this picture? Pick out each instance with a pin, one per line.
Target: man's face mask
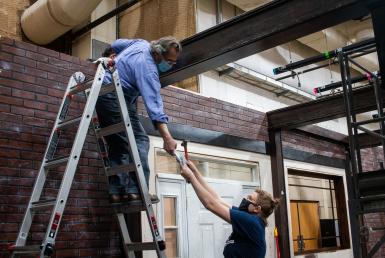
(244, 205)
(164, 66)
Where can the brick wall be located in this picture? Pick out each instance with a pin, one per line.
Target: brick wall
(32, 83)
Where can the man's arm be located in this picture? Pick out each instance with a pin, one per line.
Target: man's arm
(207, 199)
(169, 144)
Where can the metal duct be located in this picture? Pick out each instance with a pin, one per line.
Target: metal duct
(46, 20)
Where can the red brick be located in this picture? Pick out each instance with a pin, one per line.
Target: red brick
(35, 72)
(37, 57)
(24, 61)
(5, 91)
(23, 94)
(35, 104)
(11, 66)
(34, 88)
(10, 118)
(6, 57)
(56, 93)
(35, 121)
(5, 108)
(25, 45)
(22, 111)
(12, 50)
(48, 52)
(23, 77)
(11, 101)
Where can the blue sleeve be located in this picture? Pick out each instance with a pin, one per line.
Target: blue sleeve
(120, 44)
(246, 225)
(147, 81)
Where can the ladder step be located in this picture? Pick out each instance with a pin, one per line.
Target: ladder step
(40, 205)
(141, 246)
(124, 208)
(81, 87)
(111, 171)
(68, 122)
(112, 129)
(27, 249)
(56, 162)
(107, 89)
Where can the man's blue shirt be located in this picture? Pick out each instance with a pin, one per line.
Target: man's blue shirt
(248, 237)
(139, 75)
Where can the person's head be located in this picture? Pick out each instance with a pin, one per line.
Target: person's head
(165, 52)
(109, 52)
(260, 203)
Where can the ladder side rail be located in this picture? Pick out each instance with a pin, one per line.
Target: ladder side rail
(73, 161)
(380, 105)
(138, 164)
(40, 180)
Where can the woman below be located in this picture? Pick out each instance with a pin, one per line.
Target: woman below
(248, 220)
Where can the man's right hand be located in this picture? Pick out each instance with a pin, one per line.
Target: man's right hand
(169, 145)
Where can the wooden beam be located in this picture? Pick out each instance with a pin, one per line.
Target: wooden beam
(257, 30)
(323, 134)
(320, 110)
(368, 141)
(279, 190)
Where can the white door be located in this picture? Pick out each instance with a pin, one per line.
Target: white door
(172, 216)
(207, 233)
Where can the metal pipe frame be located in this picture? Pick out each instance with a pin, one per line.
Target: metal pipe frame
(365, 44)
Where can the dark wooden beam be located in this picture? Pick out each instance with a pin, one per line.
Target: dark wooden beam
(257, 30)
(323, 134)
(320, 110)
(368, 141)
(279, 190)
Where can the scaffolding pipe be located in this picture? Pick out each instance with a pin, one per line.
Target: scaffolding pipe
(324, 56)
(335, 85)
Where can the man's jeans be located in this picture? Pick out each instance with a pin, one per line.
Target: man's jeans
(108, 112)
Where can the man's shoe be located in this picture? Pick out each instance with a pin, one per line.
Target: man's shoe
(115, 198)
(132, 197)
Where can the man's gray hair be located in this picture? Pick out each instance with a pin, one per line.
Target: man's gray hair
(164, 44)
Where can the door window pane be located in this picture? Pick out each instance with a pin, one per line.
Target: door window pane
(170, 226)
(211, 167)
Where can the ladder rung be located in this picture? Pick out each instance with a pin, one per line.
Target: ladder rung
(106, 89)
(111, 171)
(27, 249)
(141, 246)
(68, 122)
(43, 204)
(112, 129)
(81, 87)
(369, 121)
(56, 162)
(124, 208)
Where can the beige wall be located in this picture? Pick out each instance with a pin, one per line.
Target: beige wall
(153, 19)
(10, 13)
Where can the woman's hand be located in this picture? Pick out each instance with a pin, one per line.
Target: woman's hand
(186, 172)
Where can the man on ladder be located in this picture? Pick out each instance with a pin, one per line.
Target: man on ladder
(138, 63)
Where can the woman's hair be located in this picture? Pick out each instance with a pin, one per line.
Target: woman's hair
(267, 202)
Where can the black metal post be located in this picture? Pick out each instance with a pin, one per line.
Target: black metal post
(279, 190)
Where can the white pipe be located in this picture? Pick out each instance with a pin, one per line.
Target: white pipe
(46, 20)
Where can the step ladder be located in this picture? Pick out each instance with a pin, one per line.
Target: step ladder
(367, 192)
(93, 90)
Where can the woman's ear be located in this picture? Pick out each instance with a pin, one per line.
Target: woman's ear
(257, 209)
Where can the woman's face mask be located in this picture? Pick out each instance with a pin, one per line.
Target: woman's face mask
(244, 205)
